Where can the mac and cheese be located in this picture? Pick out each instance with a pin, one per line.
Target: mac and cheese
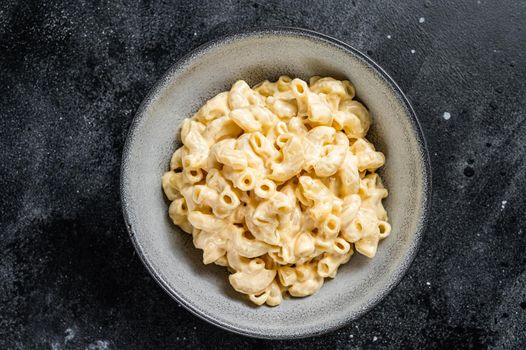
(278, 183)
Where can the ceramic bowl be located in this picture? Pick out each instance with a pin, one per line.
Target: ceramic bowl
(169, 254)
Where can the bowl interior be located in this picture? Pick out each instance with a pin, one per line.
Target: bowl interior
(169, 252)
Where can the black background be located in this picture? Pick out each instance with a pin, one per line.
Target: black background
(72, 76)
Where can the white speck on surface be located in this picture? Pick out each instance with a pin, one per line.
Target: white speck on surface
(351, 336)
(70, 334)
(375, 338)
(421, 20)
(503, 204)
(99, 345)
(195, 33)
(478, 2)
(446, 115)
(413, 51)
(388, 36)
(428, 283)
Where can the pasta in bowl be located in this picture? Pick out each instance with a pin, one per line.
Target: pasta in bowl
(278, 183)
(170, 255)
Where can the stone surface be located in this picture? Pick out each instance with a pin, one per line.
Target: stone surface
(72, 76)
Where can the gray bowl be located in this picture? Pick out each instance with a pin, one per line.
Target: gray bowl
(169, 254)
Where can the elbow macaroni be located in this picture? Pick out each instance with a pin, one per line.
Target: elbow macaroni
(278, 183)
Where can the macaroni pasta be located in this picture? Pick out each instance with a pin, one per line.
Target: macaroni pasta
(278, 183)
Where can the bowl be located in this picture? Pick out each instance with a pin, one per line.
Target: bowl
(169, 254)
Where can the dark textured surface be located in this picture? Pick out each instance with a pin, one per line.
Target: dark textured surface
(72, 77)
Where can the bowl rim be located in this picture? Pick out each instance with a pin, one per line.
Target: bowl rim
(301, 33)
